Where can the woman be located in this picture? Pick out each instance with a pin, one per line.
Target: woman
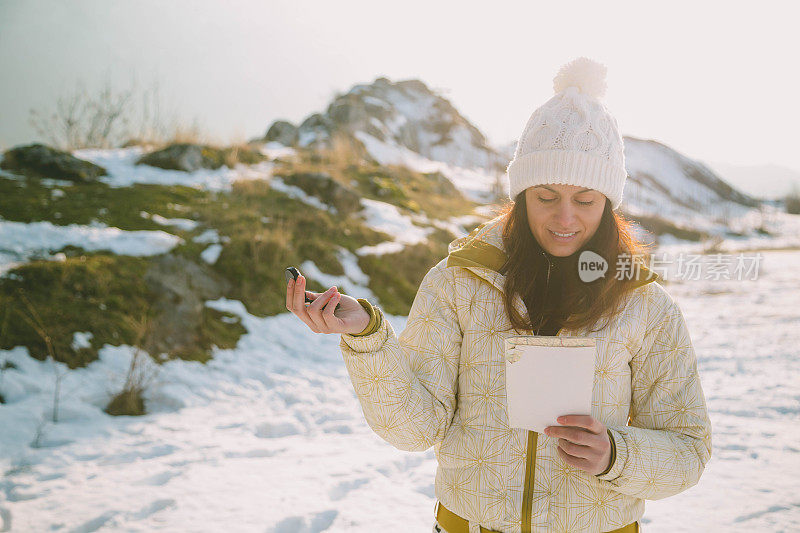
(441, 383)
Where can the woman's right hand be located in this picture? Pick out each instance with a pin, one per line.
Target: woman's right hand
(348, 317)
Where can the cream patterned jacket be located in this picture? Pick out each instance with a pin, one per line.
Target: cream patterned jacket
(441, 383)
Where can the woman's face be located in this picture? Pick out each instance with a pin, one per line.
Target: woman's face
(565, 209)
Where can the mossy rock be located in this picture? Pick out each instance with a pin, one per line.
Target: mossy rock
(190, 157)
(283, 132)
(43, 161)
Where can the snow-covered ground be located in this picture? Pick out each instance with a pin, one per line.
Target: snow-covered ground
(269, 437)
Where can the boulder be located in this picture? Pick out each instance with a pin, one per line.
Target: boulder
(283, 132)
(191, 157)
(180, 156)
(43, 161)
(183, 287)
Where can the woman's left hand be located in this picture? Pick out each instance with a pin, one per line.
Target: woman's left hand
(582, 442)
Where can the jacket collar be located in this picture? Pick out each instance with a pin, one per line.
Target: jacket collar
(482, 252)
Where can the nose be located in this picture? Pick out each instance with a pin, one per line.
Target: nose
(565, 215)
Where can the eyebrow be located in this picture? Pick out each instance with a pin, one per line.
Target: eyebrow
(553, 190)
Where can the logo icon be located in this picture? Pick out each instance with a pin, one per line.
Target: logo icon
(591, 266)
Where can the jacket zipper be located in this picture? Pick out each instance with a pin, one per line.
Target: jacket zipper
(530, 455)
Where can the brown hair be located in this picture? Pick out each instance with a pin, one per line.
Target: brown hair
(577, 303)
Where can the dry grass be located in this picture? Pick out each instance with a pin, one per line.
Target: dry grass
(129, 401)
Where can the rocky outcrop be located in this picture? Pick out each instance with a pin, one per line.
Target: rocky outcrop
(282, 132)
(183, 286)
(43, 161)
(401, 115)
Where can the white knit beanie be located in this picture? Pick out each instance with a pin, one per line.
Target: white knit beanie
(572, 138)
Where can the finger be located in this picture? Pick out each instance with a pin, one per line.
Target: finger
(577, 450)
(299, 303)
(315, 308)
(289, 294)
(577, 462)
(572, 434)
(587, 422)
(331, 320)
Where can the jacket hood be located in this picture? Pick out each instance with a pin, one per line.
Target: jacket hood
(483, 253)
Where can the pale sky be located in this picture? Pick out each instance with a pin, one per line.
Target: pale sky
(717, 81)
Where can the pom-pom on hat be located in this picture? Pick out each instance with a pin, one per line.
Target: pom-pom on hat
(572, 138)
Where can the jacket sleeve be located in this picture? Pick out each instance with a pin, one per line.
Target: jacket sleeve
(406, 385)
(665, 448)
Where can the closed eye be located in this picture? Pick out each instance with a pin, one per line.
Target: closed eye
(548, 200)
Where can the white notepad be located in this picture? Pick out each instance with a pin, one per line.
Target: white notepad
(547, 377)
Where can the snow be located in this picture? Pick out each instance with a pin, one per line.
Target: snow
(19, 241)
(458, 226)
(387, 218)
(120, 163)
(297, 193)
(275, 150)
(80, 339)
(209, 236)
(659, 185)
(184, 224)
(474, 183)
(269, 436)
(354, 282)
(784, 234)
(211, 254)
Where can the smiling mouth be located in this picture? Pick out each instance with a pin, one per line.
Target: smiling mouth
(563, 235)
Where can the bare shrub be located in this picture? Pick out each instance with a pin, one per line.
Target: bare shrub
(110, 117)
(34, 320)
(141, 371)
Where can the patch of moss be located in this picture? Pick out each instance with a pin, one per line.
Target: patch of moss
(220, 328)
(90, 292)
(30, 200)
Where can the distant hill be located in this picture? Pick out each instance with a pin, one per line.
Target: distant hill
(763, 181)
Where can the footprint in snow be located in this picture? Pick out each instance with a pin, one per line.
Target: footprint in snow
(343, 487)
(306, 524)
